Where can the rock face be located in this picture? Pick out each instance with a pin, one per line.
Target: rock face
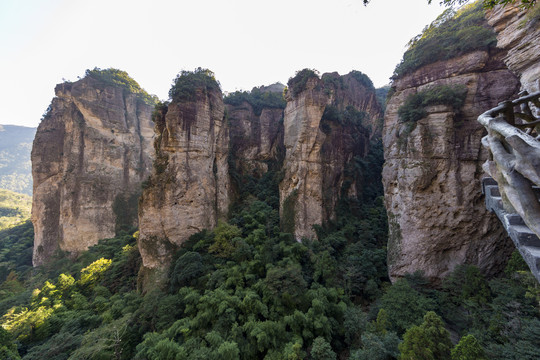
(437, 218)
(256, 136)
(90, 154)
(188, 190)
(326, 124)
(518, 32)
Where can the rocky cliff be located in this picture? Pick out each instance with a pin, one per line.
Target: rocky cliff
(518, 32)
(188, 190)
(327, 122)
(256, 129)
(432, 172)
(91, 152)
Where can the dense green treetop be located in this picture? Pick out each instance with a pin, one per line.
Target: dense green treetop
(185, 83)
(258, 98)
(122, 79)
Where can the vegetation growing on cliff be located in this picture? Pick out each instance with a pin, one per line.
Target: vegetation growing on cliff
(122, 79)
(298, 82)
(453, 33)
(257, 98)
(186, 82)
(414, 107)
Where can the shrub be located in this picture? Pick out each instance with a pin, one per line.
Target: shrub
(120, 78)
(257, 99)
(362, 79)
(186, 82)
(298, 83)
(413, 109)
(452, 34)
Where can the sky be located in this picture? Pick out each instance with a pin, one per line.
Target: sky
(246, 43)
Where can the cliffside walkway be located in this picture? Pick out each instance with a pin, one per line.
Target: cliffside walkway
(513, 191)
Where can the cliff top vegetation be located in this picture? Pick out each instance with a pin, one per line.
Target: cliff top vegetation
(453, 33)
(257, 98)
(122, 79)
(185, 83)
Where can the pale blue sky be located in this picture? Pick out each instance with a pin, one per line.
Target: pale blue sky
(245, 42)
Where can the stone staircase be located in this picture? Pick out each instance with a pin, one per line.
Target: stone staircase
(525, 240)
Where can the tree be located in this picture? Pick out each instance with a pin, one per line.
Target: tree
(468, 348)
(321, 350)
(404, 306)
(428, 341)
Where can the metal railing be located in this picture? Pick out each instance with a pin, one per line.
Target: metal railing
(513, 142)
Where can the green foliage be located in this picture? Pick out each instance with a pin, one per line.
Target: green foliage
(258, 98)
(413, 109)
(405, 306)
(515, 263)
(186, 84)
(350, 116)
(466, 283)
(376, 346)
(288, 218)
(225, 239)
(452, 34)
(120, 78)
(382, 95)
(468, 348)
(298, 82)
(362, 79)
(429, 341)
(16, 245)
(321, 350)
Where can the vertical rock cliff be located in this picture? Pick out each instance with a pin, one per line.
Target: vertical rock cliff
(327, 122)
(91, 152)
(188, 190)
(518, 32)
(256, 129)
(433, 152)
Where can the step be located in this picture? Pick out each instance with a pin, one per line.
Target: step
(524, 236)
(531, 255)
(514, 219)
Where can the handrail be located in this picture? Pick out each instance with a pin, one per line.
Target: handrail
(514, 155)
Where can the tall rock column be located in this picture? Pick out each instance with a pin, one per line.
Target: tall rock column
(188, 190)
(327, 122)
(437, 218)
(90, 155)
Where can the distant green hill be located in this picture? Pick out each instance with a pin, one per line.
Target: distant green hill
(14, 208)
(15, 166)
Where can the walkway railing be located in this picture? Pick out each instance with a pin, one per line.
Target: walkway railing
(513, 142)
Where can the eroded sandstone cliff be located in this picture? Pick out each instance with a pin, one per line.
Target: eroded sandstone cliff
(256, 129)
(91, 152)
(327, 123)
(518, 32)
(188, 190)
(437, 218)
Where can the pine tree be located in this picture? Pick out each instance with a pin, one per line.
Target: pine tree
(428, 341)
